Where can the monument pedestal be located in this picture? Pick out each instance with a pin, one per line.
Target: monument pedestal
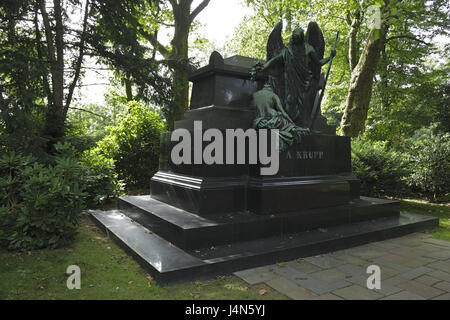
(203, 220)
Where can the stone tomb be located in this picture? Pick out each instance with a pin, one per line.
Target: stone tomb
(204, 220)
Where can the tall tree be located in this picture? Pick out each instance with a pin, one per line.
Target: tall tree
(51, 63)
(183, 18)
(143, 19)
(407, 23)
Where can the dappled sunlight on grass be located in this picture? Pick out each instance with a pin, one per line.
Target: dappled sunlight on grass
(441, 211)
(107, 272)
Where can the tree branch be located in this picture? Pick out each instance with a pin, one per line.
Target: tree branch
(199, 9)
(39, 52)
(84, 110)
(79, 61)
(154, 42)
(408, 37)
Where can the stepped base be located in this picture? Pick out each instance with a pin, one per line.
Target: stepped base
(175, 245)
(190, 231)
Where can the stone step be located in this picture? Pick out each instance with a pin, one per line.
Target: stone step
(191, 231)
(169, 263)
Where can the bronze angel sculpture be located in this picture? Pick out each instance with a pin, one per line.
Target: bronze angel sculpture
(290, 99)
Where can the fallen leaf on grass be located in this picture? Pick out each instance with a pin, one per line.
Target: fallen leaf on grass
(150, 279)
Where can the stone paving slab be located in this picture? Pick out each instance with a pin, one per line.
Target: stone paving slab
(445, 296)
(352, 259)
(438, 242)
(329, 275)
(417, 272)
(356, 292)
(409, 262)
(414, 267)
(441, 265)
(309, 282)
(353, 270)
(441, 275)
(290, 289)
(441, 254)
(325, 261)
(404, 295)
(256, 275)
(367, 252)
(421, 289)
(444, 285)
(303, 266)
(428, 280)
(327, 296)
(387, 244)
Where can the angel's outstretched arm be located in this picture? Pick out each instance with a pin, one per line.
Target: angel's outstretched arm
(326, 60)
(278, 58)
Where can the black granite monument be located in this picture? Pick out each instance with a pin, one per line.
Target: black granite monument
(201, 220)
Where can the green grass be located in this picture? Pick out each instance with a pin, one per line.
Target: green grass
(441, 211)
(107, 272)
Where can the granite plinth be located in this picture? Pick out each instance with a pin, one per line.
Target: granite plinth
(191, 231)
(223, 82)
(315, 173)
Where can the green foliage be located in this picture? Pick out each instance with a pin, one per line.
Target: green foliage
(133, 144)
(429, 159)
(381, 171)
(40, 205)
(102, 181)
(120, 40)
(418, 166)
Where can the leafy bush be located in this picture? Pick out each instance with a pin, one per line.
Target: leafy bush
(381, 171)
(102, 182)
(40, 205)
(429, 160)
(133, 144)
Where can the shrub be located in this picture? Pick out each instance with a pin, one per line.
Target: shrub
(429, 160)
(133, 144)
(40, 205)
(102, 182)
(381, 171)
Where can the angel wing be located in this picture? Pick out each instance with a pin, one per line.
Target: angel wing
(314, 37)
(275, 42)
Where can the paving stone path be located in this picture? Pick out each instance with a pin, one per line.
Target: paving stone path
(414, 267)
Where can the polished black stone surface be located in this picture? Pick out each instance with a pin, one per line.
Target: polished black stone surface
(191, 231)
(223, 82)
(312, 174)
(218, 117)
(203, 196)
(169, 264)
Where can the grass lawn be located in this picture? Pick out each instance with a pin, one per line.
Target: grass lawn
(442, 211)
(107, 272)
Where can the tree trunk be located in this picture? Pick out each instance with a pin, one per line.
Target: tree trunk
(54, 120)
(361, 83)
(180, 74)
(354, 23)
(178, 55)
(180, 48)
(129, 89)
